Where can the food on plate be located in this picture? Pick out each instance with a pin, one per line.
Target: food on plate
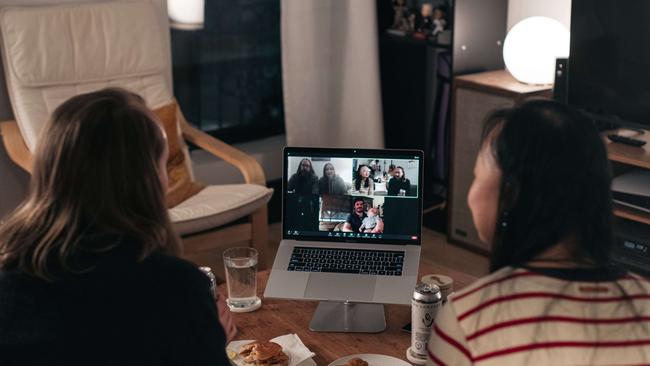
(357, 362)
(231, 354)
(264, 354)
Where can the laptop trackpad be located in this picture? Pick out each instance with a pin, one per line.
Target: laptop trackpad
(334, 286)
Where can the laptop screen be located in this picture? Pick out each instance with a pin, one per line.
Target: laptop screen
(352, 195)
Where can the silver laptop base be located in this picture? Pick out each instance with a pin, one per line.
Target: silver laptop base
(334, 316)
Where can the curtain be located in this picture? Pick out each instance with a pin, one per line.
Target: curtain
(330, 66)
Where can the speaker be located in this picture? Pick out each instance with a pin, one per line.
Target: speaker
(561, 85)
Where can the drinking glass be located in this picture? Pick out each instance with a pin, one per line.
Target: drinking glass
(241, 279)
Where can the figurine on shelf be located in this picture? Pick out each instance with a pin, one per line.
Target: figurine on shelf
(439, 22)
(402, 22)
(424, 22)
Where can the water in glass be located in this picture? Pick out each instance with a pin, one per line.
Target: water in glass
(241, 279)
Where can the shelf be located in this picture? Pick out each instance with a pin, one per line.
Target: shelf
(500, 82)
(630, 155)
(631, 214)
(409, 39)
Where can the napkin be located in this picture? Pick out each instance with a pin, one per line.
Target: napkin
(293, 344)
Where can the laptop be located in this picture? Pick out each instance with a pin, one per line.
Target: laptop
(351, 226)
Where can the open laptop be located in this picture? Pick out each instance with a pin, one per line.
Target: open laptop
(329, 251)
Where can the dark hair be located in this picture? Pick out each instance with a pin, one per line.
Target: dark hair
(403, 173)
(357, 199)
(311, 167)
(555, 184)
(95, 172)
(357, 182)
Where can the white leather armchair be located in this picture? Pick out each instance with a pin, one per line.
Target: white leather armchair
(51, 53)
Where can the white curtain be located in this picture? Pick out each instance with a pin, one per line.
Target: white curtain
(330, 65)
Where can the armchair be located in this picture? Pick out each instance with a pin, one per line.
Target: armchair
(51, 53)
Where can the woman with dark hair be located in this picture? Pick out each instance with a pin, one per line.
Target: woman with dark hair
(89, 271)
(398, 183)
(330, 182)
(541, 199)
(363, 183)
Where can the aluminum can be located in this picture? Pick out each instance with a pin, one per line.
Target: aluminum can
(213, 280)
(425, 303)
(444, 283)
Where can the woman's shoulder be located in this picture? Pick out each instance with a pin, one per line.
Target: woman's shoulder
(170, 266)
(484, 283)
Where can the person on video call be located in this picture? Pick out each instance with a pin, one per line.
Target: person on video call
(398, 183)
(363, 183)
(372, 223)
(541, 199)
(355, 218)
(330, 182)
(304, 181)
(389, 175)
(90, 272)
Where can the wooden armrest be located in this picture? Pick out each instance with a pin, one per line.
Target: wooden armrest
(15, 145)
(247, 165)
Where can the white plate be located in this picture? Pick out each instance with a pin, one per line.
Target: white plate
(372, 360)
(239, 361)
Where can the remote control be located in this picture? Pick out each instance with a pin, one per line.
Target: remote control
(626, 140)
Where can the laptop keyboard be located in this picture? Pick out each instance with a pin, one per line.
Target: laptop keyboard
(356, 261)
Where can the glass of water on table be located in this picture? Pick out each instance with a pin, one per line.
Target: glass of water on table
(241, 278)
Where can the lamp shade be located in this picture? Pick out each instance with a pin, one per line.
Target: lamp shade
(531, 47)
(186, 14)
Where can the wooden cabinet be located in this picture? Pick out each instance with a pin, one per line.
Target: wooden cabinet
(624, 157)
(475, 96)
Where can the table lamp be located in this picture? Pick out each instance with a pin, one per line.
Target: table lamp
(531, 47)
(186, 14)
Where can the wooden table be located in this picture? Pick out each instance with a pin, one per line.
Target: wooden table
(279, 317)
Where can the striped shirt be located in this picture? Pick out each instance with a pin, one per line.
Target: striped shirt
(545, 317)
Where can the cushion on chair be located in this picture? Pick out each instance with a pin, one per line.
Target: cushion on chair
(181, 186)
(218, 205)
(80, 48)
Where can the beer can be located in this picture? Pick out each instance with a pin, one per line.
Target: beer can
(444, 283)
(426, 301)
(213, 280)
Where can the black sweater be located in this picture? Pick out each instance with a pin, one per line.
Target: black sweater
(155, 312)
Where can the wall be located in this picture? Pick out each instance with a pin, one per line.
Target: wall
(556, 9)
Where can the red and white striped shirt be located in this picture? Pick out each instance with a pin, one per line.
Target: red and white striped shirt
(545, 317)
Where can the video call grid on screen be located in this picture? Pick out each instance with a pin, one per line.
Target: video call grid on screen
(319, 197)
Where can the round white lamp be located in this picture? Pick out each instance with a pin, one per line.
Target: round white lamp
(531, 47)
(186, 14)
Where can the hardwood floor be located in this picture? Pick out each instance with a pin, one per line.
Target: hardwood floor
(435, 249)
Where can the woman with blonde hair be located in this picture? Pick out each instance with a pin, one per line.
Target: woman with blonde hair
(89, 271)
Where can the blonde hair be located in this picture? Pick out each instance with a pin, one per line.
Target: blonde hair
(95, 172)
